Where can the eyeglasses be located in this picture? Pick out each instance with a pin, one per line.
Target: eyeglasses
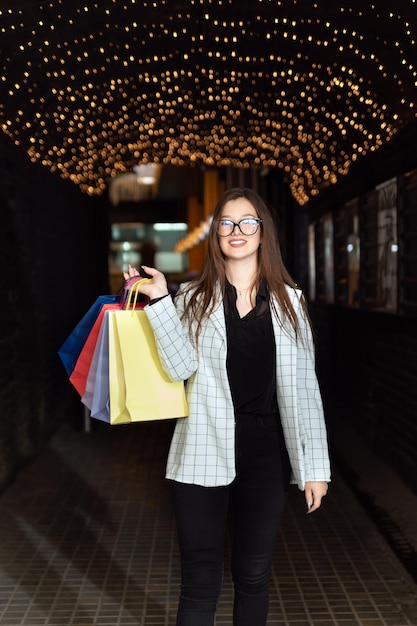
(248, 226)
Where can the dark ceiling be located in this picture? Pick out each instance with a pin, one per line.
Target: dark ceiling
(92, 88)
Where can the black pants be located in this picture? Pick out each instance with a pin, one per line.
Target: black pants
(256, 498)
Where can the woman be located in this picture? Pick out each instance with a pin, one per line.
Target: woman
(241, 338)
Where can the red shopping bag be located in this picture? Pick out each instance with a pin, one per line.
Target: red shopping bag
(96, 396)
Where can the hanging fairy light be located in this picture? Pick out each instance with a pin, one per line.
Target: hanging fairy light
(92, 89)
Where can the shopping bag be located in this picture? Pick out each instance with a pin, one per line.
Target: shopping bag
(79, 374)
(140, 390)
(129, 299)
(72, 346)
(96, 394)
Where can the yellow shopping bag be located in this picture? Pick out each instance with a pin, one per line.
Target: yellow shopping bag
(139, 388)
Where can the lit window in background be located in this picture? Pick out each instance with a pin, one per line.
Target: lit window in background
(135, 244)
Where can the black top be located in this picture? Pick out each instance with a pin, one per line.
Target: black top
(251, 361)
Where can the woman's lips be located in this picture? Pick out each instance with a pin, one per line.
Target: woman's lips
(237, 242)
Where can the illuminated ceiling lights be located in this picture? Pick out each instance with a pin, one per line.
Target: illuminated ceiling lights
(93, 89)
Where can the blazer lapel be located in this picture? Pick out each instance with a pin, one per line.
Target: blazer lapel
(286, 361)
(218, 321)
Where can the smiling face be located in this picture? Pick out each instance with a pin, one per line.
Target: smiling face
(238, 246)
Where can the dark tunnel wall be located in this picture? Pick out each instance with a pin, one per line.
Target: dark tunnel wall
(53, 261)
(367, 359)
(367, 365)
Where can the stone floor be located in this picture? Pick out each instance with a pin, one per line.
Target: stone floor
(87, 538)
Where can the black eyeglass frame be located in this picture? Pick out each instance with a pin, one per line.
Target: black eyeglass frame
(234, 224)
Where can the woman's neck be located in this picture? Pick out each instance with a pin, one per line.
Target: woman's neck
(241, 275)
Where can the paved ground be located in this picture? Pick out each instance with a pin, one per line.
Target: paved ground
(87, 539)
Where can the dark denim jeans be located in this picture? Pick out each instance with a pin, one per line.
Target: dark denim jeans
(256, 499)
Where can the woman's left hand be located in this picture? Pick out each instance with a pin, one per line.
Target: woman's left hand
(314, 492)
(155, 287)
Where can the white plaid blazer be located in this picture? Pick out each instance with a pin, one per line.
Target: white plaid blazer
(202, 450)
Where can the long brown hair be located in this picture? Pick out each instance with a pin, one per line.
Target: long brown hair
(204, 291)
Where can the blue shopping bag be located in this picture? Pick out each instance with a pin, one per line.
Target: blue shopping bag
(72, 346)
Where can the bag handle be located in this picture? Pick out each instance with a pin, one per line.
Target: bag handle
(133, 289)
(126, 288)
(125, 285)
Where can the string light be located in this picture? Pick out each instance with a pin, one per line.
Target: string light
(90, 90)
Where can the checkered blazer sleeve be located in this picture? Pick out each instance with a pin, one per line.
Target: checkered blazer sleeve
(177, 355)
